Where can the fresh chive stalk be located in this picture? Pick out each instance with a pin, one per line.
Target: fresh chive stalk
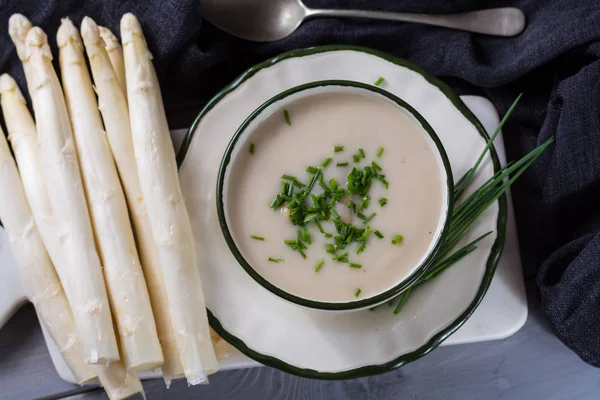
(397, 239)
(257, 237)
(275, 260)
(467, 212)
(357, 292)
(326, 162)
(382, 201)
(286, 115)
(379, 152)
(379, 81)
(251, 148)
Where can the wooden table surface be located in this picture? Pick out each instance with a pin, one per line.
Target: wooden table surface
(532, 364)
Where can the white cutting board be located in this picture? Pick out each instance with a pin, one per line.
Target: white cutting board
(502, 312)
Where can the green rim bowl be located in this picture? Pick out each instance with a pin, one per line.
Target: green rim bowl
(276, 104)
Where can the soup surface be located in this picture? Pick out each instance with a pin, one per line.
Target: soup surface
(408, 212)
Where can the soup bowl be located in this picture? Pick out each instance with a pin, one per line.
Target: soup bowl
(335, 195)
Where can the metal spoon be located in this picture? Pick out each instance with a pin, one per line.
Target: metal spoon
(270, 20)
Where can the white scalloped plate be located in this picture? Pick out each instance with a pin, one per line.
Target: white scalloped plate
(323, 344)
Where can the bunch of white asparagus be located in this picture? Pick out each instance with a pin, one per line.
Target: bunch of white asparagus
(94, 210)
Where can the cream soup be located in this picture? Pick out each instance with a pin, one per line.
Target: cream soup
(412, 205)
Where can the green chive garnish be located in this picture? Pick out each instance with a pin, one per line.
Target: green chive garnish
(257, 237)
(326, 162)
(364, 203)
(275, 260)
(397, 239)
(376, 166)
(329, 248)
(288, 177)
(341, 164)
(286, 115)
(357, 292)
(362, 153)
(306, 236)
(379, 81)
(341, 257)
(337, 149)
(383, 201)
(378, 234)
(312, 170)
(357, 266)
(370, 217)
(251, 148)
(319, 265)
(379, 152)
(356, 158)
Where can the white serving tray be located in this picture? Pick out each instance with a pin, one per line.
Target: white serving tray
(502, 312)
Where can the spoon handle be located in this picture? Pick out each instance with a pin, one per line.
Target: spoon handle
(506, 21)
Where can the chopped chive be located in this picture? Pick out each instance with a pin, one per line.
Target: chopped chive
(352, 206)
(362, 153)
(397, 239)
(376, 166)
(337, 149)
(357, 292)
(275, 260)
(298, 184)
(251, 148)
(361, 215)
(333, 184)
(364, 203)
(379, 81)
(312, 170)
(383, 180)
(319, 265)
(302, 253)
(378, 234)
(383, 201)
(286, 115)
(356, 266)
(257, 237)
(327, 235)
(370, 217)
(326, 162)
(342, 164)
(329, 248)
(288, 177)
(356, 158)
(334, 214)
(379, 152)
(306, 236)
(319, 226)
(360, 248)
(341, 257)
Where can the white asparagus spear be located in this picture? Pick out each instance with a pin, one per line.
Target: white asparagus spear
(125, 282)
(115, 113)
(115, 54)
(23, 137)
(36, 269)
(85, 286)
(170, 222)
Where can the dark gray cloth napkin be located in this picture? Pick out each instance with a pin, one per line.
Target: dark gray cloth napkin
(555, 63)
